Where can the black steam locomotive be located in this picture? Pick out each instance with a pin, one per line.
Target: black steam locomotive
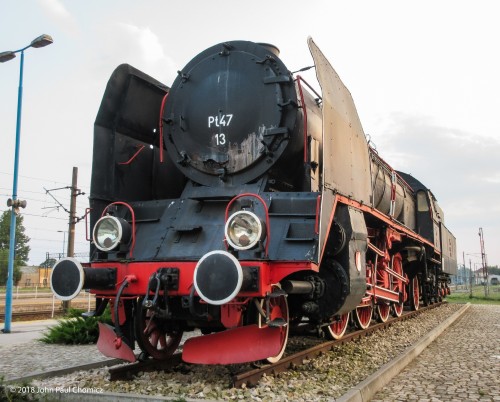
(240, 202)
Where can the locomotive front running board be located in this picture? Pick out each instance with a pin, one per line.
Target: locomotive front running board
(238, 345)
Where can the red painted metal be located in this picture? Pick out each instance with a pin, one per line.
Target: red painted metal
(141, 147)
(402, 230)
(238, 345)
(363, 316)
(383, 310)
(336, 330)
(414, 293)
(160, 126)
(269, 273)
(121, 312)
(111, 345)
(383, 294)
(398, 282)
(231, 313)
(278, 310)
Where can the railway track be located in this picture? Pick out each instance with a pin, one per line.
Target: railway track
(119, 371)
(252, 377)
(41, 313)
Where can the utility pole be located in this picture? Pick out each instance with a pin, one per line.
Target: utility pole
(71, 224)
(485, 263)
(470, 278)
(465, 270)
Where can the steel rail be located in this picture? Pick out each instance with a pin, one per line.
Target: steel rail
(21, 315)
(252, 377)
(127, 371)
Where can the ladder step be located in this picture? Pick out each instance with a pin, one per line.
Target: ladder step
(277, 323)
(277, 293)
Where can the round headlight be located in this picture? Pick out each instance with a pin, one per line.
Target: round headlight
(110, 231)
(243, 230)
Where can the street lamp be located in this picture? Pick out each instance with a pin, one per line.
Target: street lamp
(41, 41)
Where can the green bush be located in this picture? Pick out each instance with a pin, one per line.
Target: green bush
(73, 329)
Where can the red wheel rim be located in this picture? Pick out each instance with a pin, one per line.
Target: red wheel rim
(278, 308)
(397, 308)
(336, 330)
(397, 284)
(383, 311)
(153, 337)
(415, 294)
(363, 316)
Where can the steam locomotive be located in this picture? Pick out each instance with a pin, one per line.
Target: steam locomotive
(240, 202)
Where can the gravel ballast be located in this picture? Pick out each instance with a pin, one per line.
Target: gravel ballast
(323, 378)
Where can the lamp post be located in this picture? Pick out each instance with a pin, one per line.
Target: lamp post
(41, 41)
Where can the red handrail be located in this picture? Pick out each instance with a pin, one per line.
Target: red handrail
(160, 126)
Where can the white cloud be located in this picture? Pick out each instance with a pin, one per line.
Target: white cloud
(461, 168)
(147, 41)
(56, 10)
(138, 46)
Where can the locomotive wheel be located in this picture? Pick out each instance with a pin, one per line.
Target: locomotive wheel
(152, 336)
(278, 309)
(336, 330)
(363, 316)
(414, 292)
(397, 284)
(397, 309)
(383, 312)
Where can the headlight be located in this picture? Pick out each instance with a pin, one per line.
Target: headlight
(109, 232)
(244, 229)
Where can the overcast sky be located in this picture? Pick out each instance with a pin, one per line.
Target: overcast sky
(425, 77)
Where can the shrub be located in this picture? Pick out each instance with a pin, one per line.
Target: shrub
(73, 329)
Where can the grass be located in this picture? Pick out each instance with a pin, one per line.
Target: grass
(478, 297)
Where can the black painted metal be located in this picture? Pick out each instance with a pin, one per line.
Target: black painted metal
(230, 114)
(216, 277)
(65, 278)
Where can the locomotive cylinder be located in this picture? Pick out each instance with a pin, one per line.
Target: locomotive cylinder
(298, 287)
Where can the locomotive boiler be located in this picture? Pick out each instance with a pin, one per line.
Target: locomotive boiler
(241, 203)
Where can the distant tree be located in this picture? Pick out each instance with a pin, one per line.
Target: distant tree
(22, 248)
(494, 270)
(48, 263)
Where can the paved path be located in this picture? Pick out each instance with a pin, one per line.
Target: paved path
(463, 364)
(24, 331)
(22, 354)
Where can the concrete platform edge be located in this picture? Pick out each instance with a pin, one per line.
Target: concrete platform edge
(366, 389)
(61, 372)
(117, 397)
